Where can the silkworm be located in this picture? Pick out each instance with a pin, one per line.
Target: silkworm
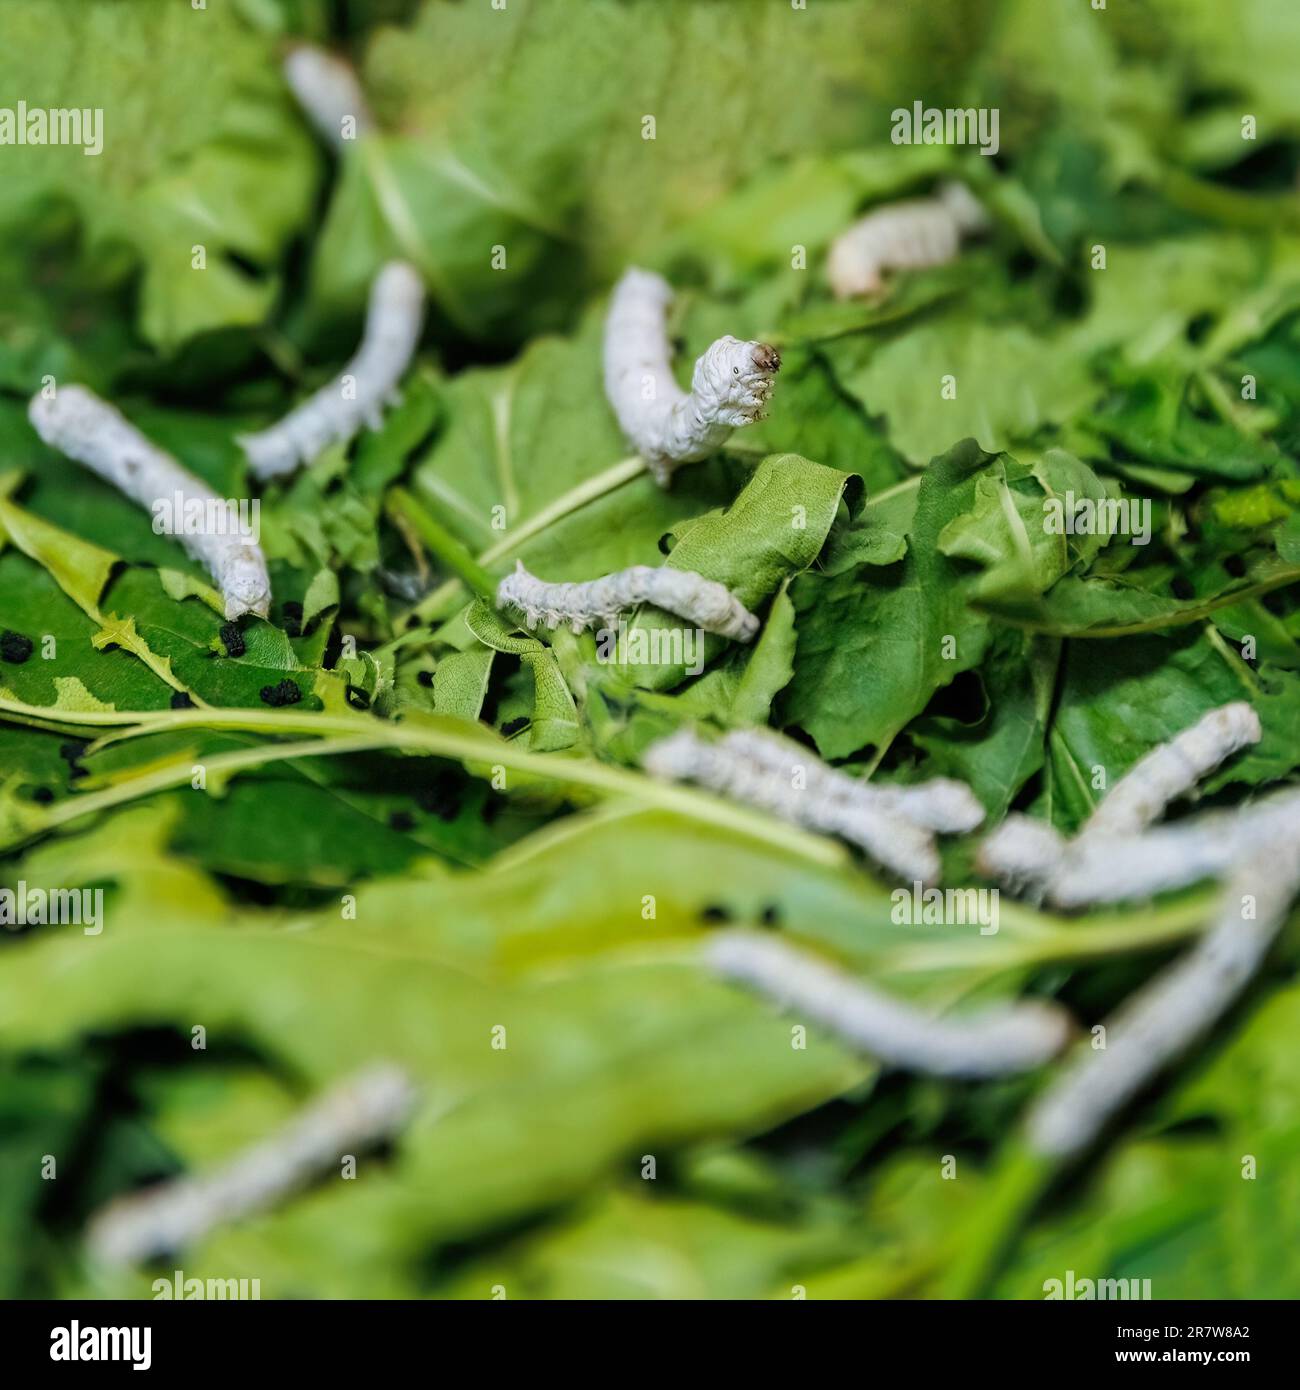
(1163, 1019)
(993, 1042)
(667, 426)
(327, 89)
(1116, 855)
(81, 425)
(1093, 869)
(361, 1111)
(941, 804)
(1172, 769)
(702, 602)
(1022, 852)
(902, 236)
(359, 394)
(1100, 869)
(894, 843)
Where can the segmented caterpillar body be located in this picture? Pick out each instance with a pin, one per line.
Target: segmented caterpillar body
(359, 394)
(1022, 852)
(362, 1111)
(702, 602)
(893, 842)
(902, 236)
(1163, 1019)
(667, 426)
(941, 804)
(1116, 856)
(1105, 868)
(994, 1042)
(81, 425)
(1172, 769)
(327, 89)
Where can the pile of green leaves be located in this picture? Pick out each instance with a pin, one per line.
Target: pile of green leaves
(447, 835)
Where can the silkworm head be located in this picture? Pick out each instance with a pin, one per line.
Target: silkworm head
(1236, 723)
(270, 453)
(852, 268)
(1022, 851)
(65, 417)
(509, 589)
(245, 584)
(398, 283)
(672, 758)
(966, 210)
(739, 376)
(718, 614)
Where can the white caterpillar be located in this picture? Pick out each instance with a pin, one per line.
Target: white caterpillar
(730, 386)
(993, 1042)
(1164, 1018)
(703, 602)
(903, 236)
(941, 804)
(1173, 769)
(327, 89)
(368, 383)
(361, 1111)
(1023, 853)
(1112, 858)
(892, 841)
(1099, 869)
(78, 423)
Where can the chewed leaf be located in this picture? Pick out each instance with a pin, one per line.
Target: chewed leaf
(73, 695)
(483, 621)
(121, 632)
(180, 586)
(461, 683)
(554, 724)
(80, 569)
(322, 594)
(63, 650)
(771, 666)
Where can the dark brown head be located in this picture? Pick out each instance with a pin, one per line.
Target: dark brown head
(766, 358)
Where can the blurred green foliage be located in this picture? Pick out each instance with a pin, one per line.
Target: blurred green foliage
(313, 913)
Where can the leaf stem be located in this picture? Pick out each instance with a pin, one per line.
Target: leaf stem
(446, 596)
(1018, 1183)
(1229, 206)
(1111, 934)
(893, 490)
(402, 506)
(1193, 613)
(423, 734)
(624, 471)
